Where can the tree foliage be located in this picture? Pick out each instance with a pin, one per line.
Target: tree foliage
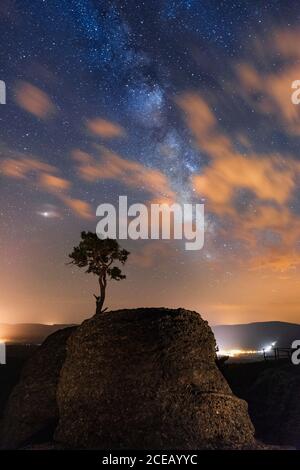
(99, 256)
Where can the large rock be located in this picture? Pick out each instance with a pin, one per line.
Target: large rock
(147, 379)
(274, 404)
(31, 412)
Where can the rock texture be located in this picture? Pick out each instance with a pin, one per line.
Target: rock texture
(274, 402)
(147, 379)
(31, 412)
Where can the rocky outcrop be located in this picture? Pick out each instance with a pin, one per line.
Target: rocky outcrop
(143, 379)
(147, 379)
(31, 413)
(274, 403)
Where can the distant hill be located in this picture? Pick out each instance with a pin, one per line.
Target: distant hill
(256, 336)
(33, 333)
(244, 336)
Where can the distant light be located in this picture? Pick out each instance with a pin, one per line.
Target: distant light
(241, 352)
(236, 352)
(269, 347)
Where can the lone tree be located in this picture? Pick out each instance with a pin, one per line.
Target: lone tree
(98, 256)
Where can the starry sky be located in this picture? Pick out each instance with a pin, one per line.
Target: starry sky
(162, 100)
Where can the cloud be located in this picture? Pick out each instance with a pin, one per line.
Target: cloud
(22, 167)
(14, 168)
(200, 118)
(274, 92)
(34, 100)
(270, 179)
(105, 129)
(267, 89)
(81, 208)
(203, 124)
(278, 260)
(53, 183)
(113, 167)
(278, 221)
(263, 175)
(263, 220)
(46, 178)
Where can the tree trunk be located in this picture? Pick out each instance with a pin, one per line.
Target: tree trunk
(101, 298)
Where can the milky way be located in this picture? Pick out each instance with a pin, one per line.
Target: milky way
(196, 96)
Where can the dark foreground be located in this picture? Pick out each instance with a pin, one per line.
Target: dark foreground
(270, 388)
(16, 356)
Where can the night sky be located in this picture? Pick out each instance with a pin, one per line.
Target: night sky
(186, 101)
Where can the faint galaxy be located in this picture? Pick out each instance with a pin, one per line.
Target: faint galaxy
(184, 100)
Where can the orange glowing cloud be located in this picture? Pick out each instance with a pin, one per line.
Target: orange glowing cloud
(203, 124)
(13, 168)
(114, 167)
(54, 183)
(81, 208)
(34, 100)
(263, 176)
(105, 129)
(278, 260)
(200, 118)
(22, 167)
(45, 177)
(269, 92)
(268, 228)
(266, 231)
(275, 91)
(271, 179)
(267, 176)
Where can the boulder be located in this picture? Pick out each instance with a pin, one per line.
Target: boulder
(274, 404)
(147, 379)
(31, 413)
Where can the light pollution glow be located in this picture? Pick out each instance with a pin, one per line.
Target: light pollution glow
(245, 352)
